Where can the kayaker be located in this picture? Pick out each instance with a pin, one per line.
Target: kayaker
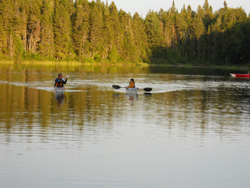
(131, 83)
(59, 82)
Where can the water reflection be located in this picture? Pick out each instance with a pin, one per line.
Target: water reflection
(60, 97)
(90, 129)
(132, 96)
(176, 100)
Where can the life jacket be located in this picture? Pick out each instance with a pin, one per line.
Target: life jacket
(131, 85)
(59, 83)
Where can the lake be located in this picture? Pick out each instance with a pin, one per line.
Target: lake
(191, 131)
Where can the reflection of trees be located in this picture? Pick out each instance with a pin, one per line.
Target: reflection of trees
(196, 110)
(38, 112)
(24, 109)
(27, 111)
(205, 109)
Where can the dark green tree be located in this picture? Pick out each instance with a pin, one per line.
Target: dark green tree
(127, 47)
(140, 39)
(154, 29)
(46, 46)
(7, 19)
(33, 25)
(63, 29)
(96, 39)
(81, 28)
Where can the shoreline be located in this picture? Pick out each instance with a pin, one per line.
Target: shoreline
(73, 63)
(120, 64)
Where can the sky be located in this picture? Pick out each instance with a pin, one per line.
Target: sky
(143, 6)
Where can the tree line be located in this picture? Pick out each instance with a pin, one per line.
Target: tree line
(97, 31)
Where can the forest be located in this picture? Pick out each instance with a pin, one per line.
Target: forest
(95, 31)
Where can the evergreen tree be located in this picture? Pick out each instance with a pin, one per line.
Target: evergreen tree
(127, 48)
(115, 23)
(7, 17)
(81, 28)
(140, 38)
(208, 14)
(153, 29)
(225, 5)
(239, 43)
(46, 46)
(112, 32)
(96, 31)
(33, 25)
(63, 29)
(2, 35)
(181, 29)
(110, 51)
(189, 37)
(198, 33)
(22, 8)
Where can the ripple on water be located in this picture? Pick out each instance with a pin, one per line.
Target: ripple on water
(94, 136)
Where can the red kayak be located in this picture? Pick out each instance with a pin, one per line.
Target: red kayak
(240, 75)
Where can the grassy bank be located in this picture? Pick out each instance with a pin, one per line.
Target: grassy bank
(72, 62)
(174, 63)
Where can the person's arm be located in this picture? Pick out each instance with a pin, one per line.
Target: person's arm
(65, 81)
(127, 86)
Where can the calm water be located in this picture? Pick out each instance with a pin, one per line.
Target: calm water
(192, 131)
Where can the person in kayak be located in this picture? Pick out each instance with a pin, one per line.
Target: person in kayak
(131, 83)
(59, 82)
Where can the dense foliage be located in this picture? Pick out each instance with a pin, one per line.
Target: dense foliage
(97, 31)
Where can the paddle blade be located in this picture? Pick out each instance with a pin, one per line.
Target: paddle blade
(116, 86)
(147, 89)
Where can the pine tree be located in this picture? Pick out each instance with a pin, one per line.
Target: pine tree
(238, 44)
(127, 47)
(115, 22)
(63, 29)
(225, 5)
(182, 30)
(96, 31)
(46, 46)
(140, 38)
(208, 14)
(113, 54)
(2, 35)
(112, 32)
(173, 16)
(198, 33)
(22, 17)
(153, 29)
(173, 8)
(167, 24)
(33, 25)
(6, 15)
(81, 28)
(110, 51)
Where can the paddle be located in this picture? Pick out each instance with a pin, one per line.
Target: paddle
(119, 87)
(147, 89)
